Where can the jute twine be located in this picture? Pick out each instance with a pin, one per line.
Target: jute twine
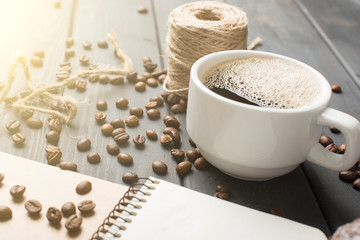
(197, 29)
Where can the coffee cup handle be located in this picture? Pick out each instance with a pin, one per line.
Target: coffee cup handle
(350, 127)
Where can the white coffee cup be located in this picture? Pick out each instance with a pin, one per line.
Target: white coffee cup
(258, 143)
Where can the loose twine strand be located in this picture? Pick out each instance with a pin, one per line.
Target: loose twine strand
(66, 103)
(197, 29)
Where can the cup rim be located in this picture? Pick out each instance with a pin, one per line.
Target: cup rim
(195, 78)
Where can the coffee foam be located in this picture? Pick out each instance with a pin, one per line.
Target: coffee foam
(268, 82)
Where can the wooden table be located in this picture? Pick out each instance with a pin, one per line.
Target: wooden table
(324, 34)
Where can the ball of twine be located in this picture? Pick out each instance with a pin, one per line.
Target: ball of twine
(197, 29)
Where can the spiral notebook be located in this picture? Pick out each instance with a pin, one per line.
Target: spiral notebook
(150, 209)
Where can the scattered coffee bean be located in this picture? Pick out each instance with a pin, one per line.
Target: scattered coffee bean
(39, 53)
(223, 188)
(140, 86)
(161, 78)
(116, 80)
(183, 168)
(177, 154)
(93, 157)
(69, 42)
(84, 144)
(112, 148)
(139, 140)
(69, 53)
(121, 138)
(2, 176)
(192, 155)
(102, 44)
(33, 206)
(336, 88)
(200, 163)
(34, 123)
(87, 45)
(152, 82)
(147, 75)
(68, 209)
(137, 111)
(142, 10)
(174, 133)
(178, 108)
(55, 125)
(17, 191)
(151, 105)
(146, 59)
(342, 148)
(332, 148)
(183, 101)
(122, 103)
(25, 114)
(132, 121)
(86, 206)
(53, 154)
(222, 195)
(151, 134)
(356, 184)
(150, 66)
(84, 60)
(325, 140)
(172, 98)
(171, 121)
(153, 114)
(52, 137)
(117, 123)
(80, 85)
(104, 79)
(159, 167)
(130, 177)
(159, 100)
(166, 140)
(18, 138)
(117, 131)
(83, 187)
(348, 176)
(5, 213)
(192, 142)
(125, 159)
(53, 215)
(36, 62)
(100, 117)
(141, 78)
(71, 166)
(73, 223)
(334, 130)
(156, 74)
(275, 210)
(132, 76)
(101, 105)
(93, 77)
(107, 129)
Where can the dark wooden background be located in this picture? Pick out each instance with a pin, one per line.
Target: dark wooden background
(324, 34)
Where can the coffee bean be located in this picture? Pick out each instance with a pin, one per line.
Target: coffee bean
(356, 184)
(101, 105)
(73, 223)
(68, 209)
(177, 154)
(183, 101)
(139, 140)
(93, 157)
(104, 79)
(174, 133)
(84, 144)
(84, 60)
(342, 148)
(146, 59)
(13, 126)
(172, 98)
(332, 148)
(132, 121)
(53, 154)
(71, 166)
(171, 121)
(156, 74)
(5, 213)
(129, 177)
(200, 163)
(222, 195)
(137, 111)
(87, 45)
(107, 129)
(116, 80)
(33, 206)
(117, 131)
(70, 52)
(100, 117)
(153, 114)
(161, 78)
(2, 176)
(18, 138)
(178, 108)
(147, 75)
(150, 66)
(39, 53)
(53, 215)
(52, 137)
(55, 125)
(102, 44)
(34, 123)
(117, 123)
(112, 148)
(25, 113)
(223, 188)
(17, 191)
(121, 138)
(166, 140)
(334, 130)
(141, 78)
(348, 176)
(183, 168)
(336, 88)
(325, 140)
(151, 134)
(131, 76)
(93, 77)
(192, 142)
(69, 42)
(142, 10)
(86, 206)
(159, 100)
(140, 86)
(152, 82)
(275, 210)
(122, 103)
(83, 187)
(125, 159)
(80, 85)
(62, 75)
(159, 167)
(192, 155)
(151, 105)
(36, 61)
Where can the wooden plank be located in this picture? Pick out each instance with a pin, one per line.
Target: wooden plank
(278, 23)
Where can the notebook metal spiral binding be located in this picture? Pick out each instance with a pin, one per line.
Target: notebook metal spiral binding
(119, 209)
